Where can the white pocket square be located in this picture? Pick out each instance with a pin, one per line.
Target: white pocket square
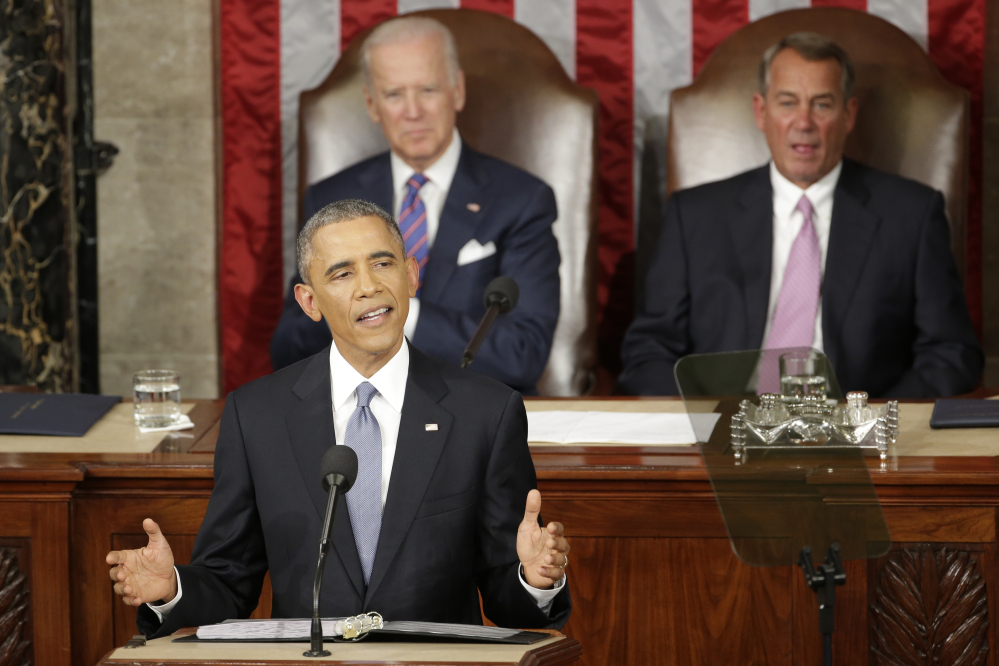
(474, 251)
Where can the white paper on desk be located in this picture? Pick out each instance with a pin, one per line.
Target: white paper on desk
(291, 629)
(267, 630)
(639, 428)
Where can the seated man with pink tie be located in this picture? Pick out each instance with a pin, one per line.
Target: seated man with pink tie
(811, 250)
(466, 217)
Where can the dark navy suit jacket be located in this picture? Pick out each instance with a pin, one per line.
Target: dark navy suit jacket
(894, 317)
(515, 212)
(449, 529)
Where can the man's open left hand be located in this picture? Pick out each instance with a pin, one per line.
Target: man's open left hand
(543, 552)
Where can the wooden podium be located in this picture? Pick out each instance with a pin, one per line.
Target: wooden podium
(554, 651)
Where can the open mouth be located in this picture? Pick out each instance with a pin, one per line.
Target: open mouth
(804, 149)
(375, 316)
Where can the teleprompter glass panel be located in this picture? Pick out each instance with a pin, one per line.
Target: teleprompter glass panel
(783, 476)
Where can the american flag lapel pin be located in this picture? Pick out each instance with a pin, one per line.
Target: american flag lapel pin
(431, 427)
(474, 207)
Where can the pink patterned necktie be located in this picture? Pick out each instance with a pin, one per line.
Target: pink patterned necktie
(798, 302)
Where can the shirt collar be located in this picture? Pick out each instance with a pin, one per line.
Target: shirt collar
(787, 194)
(440, 173)
(389, 381)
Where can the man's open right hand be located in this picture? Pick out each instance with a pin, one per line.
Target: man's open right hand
(145, 575)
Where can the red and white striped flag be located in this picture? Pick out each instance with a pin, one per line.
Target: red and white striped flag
(632, 52)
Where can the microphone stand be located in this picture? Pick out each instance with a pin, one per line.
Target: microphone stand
(823, 579)
(333, 482)
(480, 334)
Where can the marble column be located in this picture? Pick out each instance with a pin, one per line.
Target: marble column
(154, 98)
(37, 268)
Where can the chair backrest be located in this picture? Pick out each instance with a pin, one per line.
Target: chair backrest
(911, 121)
(521, 107)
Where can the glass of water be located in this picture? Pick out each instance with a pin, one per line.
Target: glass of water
(802, 372)
(156, 398)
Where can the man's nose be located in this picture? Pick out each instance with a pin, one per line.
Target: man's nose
(412, 105)
(367, 282)
(804, 119)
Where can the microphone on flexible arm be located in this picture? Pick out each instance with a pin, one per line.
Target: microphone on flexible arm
(338, 471)
(501, 297)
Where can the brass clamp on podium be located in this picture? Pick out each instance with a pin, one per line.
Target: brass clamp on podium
(356, 628)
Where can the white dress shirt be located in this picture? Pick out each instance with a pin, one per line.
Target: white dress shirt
(787, 224)
(433, 193)
(386, 406)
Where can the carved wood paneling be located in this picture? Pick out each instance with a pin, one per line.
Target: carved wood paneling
(930, 608)
(15, 635)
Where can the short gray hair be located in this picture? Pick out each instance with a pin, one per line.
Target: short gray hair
(409, 28)
(812, 47)
(344, 210)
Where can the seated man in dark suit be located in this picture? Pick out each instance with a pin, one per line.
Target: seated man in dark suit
(812, 250)
(444, 505)
(466, 217)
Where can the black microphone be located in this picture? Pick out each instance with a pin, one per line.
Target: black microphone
(501, 297)
(338, 470)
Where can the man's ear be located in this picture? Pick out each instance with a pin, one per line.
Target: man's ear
(413, 275)
(306, 298)
(369, 104)
(459, 92)
(852, 106)
(759, 109)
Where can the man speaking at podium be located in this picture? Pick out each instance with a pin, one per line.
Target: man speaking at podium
(444, 505)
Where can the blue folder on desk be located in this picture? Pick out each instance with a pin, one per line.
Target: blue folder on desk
(60, 414)
(965, 413)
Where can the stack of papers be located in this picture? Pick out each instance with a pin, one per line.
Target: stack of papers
(268, 630)
(298, 630)
(637, 428)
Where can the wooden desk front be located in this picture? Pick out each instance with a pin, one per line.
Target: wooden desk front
(555, 651)
(653, 578)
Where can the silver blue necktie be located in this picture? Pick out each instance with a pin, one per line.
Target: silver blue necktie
(364, 501)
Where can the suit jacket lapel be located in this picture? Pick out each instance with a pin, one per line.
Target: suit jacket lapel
(376, 184)
(310, 428)
(457, 224)
(851, 235)
(416, 454)
(752, 235)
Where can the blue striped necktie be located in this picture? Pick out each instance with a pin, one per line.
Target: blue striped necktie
(364, 501)
(413, 222)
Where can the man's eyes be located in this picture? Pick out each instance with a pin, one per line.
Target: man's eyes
(398, 94)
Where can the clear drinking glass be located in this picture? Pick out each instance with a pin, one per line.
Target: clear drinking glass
(802, 372)
(156, 398)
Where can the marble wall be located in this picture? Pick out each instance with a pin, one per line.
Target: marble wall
(37, 279)
(154, 98)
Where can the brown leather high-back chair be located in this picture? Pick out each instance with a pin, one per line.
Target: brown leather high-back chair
(911, 121)
(520, 107)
